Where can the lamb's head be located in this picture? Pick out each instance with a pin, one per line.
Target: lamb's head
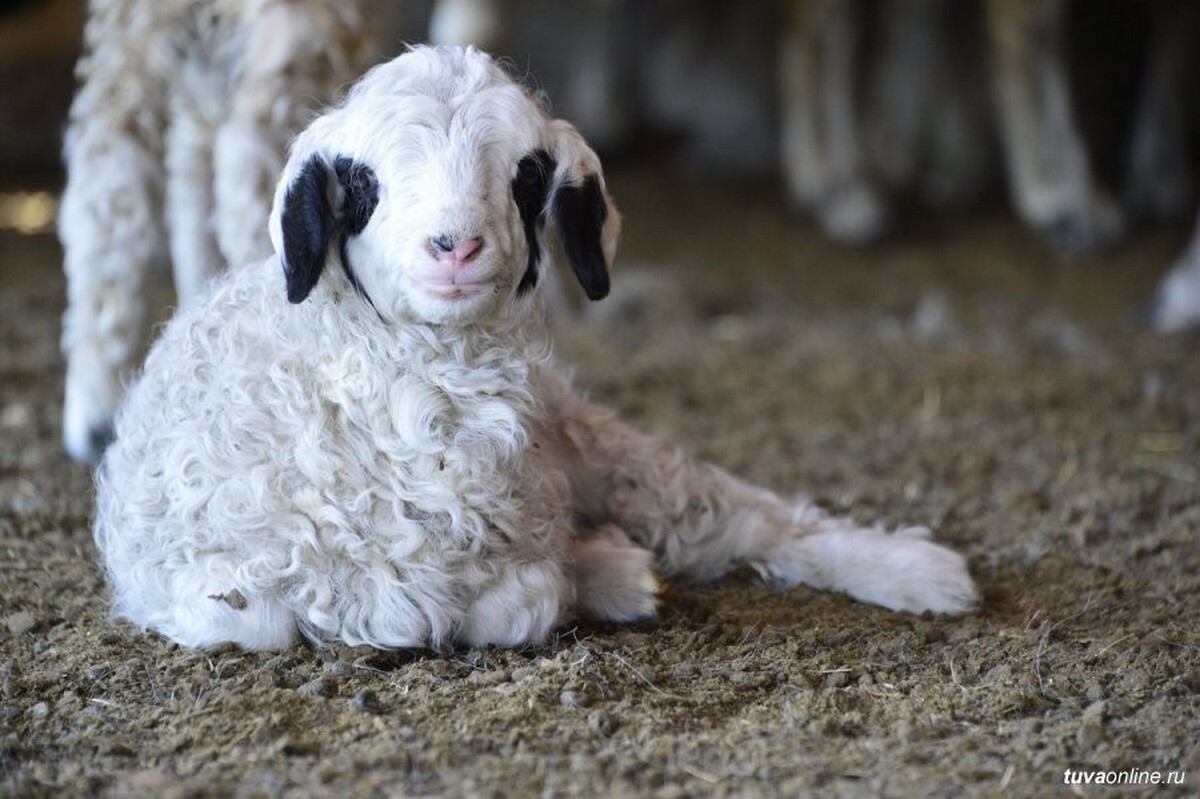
(433, 184)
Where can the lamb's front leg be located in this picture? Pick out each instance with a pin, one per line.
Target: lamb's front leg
(700, 521)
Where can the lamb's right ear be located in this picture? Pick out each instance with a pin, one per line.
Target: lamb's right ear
(305, 221)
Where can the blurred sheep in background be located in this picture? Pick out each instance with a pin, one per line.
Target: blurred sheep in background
(869, 111)
(174, 141)
(885, 102)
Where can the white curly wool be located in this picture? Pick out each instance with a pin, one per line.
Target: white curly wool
(173, 147)
(362, 439)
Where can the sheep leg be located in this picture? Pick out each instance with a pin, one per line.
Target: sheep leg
(929, 132)
(825, 159)
(1159, 182)
(265, 111)
(194, 255)
(109, 225)
(700, 521)
(1176, 304)
(295, 55)
(609, 579)
(469, 22)
(1050, 177)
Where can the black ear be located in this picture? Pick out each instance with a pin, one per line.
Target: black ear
(360, 193)
(305, 222)
(579, 213)
(530, 188)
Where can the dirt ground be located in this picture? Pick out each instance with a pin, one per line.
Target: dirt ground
(961, 376)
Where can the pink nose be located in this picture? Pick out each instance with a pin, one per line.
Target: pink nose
(449, 250)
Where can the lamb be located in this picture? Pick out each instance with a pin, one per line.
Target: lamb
(363, 439)
(173, 146)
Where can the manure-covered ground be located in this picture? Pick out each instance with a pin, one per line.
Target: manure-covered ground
(960, 376)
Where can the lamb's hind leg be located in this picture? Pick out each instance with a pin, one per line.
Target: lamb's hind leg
(700, 521)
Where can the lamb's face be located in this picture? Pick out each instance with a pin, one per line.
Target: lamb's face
(436, 179)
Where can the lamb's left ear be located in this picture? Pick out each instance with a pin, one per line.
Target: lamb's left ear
(587, 221)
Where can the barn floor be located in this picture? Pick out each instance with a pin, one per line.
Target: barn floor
(961, 376)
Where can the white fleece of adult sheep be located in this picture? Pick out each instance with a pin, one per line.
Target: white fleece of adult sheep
(397, 462)
(174, 144)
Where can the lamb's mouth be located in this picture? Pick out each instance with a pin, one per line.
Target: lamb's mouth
(457, 291)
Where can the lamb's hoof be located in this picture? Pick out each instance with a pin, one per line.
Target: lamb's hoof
(941, 583)
(899, 571)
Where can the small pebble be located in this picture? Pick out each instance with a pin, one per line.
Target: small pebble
(1089, 735)
(837, 679)
(754, 680)
(688, 669)
(40, 710)
(318, 687)
(523, 673)
(571, 698)
(21, 623)
(339, 669)
(368, 702)
(493, 677)
(1091, 725)
(601, 722)
(16, 414)
(1094, 714)
(438, 667)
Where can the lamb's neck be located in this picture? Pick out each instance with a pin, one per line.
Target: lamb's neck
(484, 377)
(474, 347)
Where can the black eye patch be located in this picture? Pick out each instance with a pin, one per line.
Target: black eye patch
(530, 188)
(360, 190)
